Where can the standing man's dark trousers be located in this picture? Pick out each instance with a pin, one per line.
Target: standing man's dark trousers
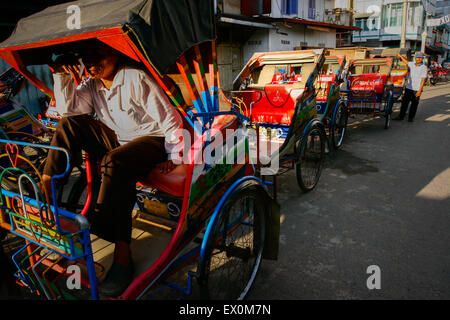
(122, 166)
(409, 97)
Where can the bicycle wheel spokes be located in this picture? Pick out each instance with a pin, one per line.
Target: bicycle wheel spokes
(311, 159)
(236, 252)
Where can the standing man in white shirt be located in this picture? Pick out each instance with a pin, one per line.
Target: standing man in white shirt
(416, 80)
(137, 130)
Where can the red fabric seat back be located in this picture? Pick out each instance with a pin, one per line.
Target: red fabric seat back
(276, 105)
(367, 82)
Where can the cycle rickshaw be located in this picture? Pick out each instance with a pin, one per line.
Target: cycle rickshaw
(331, 109)
(215, 215)
(368, 89)
(399, 72)
(276, 90)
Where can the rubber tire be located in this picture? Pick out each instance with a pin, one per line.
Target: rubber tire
(388, 113)
(205, 283)
(337, 146)
(300, 182)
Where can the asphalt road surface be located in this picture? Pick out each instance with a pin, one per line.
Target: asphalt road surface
(383, 200)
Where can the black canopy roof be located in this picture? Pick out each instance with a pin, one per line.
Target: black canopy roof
(165, 28)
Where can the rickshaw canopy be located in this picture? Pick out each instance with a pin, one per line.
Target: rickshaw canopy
(164, 29)
(389, 52)
(312, 58)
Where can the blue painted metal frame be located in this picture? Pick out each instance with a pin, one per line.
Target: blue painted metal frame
(20, 274)
(84, 230)
(219, 206)
(55, 177)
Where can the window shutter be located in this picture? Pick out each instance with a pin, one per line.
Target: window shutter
(293, 7)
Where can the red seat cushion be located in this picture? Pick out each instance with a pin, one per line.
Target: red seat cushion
(172, 183)
(277, 103)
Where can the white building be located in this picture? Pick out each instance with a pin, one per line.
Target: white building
(381, 23)
(442, 40)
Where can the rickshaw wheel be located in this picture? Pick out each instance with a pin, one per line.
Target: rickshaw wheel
(339, 125)
(234, 248)
(387, 123)
(311, 153)
(388, 110)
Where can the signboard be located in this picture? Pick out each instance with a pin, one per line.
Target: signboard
(439, 21)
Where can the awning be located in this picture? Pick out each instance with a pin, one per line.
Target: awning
(244, 21)
(318, 23)
(267, 22)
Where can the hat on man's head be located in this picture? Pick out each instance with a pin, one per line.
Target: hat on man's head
(419, 55)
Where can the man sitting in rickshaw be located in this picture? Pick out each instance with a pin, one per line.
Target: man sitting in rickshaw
(135, 131)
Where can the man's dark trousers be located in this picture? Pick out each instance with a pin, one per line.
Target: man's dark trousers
(122, 166)
(409, 97)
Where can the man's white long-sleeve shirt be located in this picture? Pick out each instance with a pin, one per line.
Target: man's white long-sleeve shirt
(133, 107)
(416, 74)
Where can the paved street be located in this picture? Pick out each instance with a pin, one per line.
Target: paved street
(383, 200)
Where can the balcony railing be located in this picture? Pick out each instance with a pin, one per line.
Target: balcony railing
(337, 16)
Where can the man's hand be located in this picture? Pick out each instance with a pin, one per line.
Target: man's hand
(166, 167)
(402, 58)
(66, 64)
(419, 92)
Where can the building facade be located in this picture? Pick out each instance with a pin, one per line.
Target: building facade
(381, 21)
(442, 32)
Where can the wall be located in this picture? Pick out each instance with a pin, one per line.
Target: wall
(232, 6)
(229, 63)
(340, 4)
(258, 42)
(287, 39)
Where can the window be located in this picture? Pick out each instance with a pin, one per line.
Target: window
(289, 7)
(312, 9)
(412, 13)
(362, 23)
(365, 25)
(386, 16)
(396, 14)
